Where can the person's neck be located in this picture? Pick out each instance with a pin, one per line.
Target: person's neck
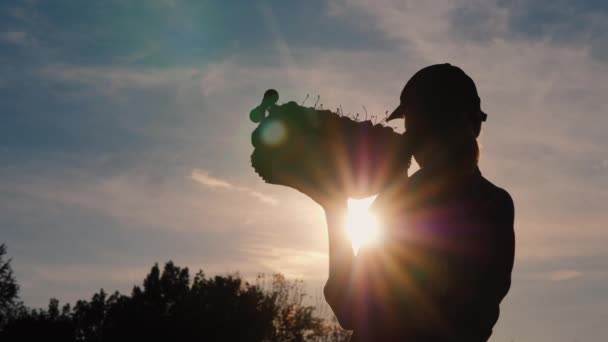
(448, 175)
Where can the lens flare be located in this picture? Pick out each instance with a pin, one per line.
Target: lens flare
(362, 226)
(273, 133)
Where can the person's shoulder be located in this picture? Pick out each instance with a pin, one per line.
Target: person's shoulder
(494, 190)
(498, 197)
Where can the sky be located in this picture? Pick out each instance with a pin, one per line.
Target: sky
(125, 138)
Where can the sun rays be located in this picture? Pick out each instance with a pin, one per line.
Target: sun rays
(362, 226)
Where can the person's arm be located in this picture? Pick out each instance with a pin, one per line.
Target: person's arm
(337, 290)
(491, 280)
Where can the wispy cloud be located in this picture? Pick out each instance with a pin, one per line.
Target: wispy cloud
(294, 263)
(118, 77)
(20, 38)
(263, 198)
(561, 275)
(205, 179)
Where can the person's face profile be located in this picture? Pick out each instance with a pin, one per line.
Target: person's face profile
(421, 134)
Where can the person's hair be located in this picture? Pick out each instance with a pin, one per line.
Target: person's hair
(461, 141)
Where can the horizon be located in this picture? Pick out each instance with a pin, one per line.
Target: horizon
(125, 137)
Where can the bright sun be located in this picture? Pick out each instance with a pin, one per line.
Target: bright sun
(362, 226)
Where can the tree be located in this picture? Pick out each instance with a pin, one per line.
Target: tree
(294, 321)
(9, 289)
(169, 306)
(40, 325)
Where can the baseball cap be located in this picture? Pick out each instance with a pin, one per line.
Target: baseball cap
(439, 88)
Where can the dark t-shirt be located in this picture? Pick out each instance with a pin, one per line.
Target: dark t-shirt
(442, 270)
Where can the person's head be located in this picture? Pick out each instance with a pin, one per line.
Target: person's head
(442, 115)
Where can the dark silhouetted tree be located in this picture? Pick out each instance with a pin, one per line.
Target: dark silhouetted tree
(169, 306)
(40, 325)
(9, 290)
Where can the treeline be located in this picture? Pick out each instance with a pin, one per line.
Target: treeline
(173, 307)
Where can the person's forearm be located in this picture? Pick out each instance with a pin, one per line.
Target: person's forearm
(340, 250)
(337, 289)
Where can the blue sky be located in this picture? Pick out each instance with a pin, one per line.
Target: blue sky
(124, 136)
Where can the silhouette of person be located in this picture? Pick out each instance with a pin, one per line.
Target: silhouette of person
(446, 258)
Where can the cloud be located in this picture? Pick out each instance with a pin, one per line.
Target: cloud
(135, 199)
(202, 177)
(19, 38)
(291, 262)
(561, 275)
(116, 78)
(264, 198)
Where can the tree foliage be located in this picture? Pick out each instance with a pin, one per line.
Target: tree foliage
(171, 306)
(8, 289)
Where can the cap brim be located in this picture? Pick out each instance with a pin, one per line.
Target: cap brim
(398, 113)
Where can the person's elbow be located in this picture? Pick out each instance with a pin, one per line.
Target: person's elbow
(340, 305)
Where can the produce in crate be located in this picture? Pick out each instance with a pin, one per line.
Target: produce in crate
(312, 149)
